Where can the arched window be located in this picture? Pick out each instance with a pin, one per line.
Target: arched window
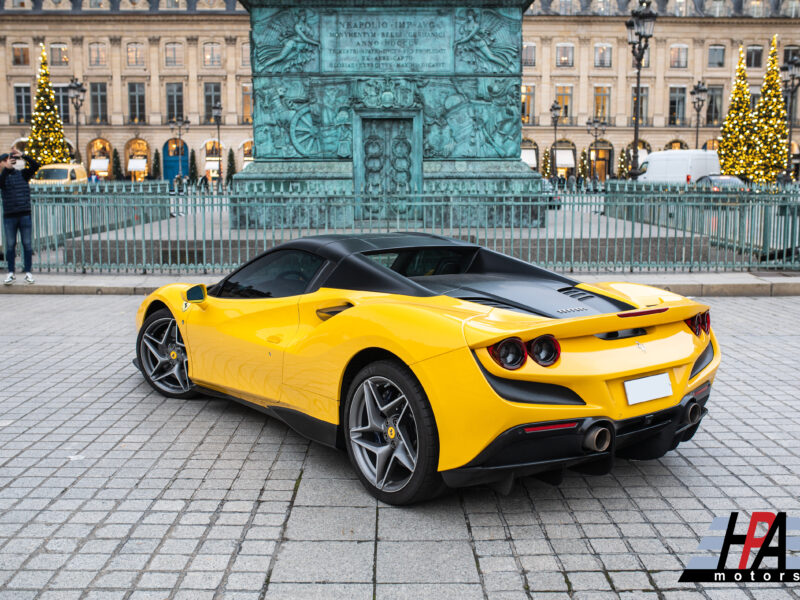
(676, 145)
(712, 144)
(21, 55)
(601, 159)
(212, 55)
(99, 154)
(135, 53)
(58, 55)
(565, 55)
(602, 55)
(97, 54)
(564, 158)
(528, 55)
(247, 150)
(173, 54)
(137, 159)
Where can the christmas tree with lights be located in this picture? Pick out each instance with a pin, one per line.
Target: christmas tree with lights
(46, 141)
(770, 152)
(737, 137)
(623, 164)
(546, 167)
(583, 165)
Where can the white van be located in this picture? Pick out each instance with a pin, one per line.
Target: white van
(678, 166)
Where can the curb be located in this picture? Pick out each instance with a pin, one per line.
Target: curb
(759, 288)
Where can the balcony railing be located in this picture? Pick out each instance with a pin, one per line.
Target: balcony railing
(528, 121)
(678, 122)
(643, 122)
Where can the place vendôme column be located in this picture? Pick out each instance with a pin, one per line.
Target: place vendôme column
(376, 97)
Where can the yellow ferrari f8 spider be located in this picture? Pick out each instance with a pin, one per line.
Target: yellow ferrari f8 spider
(437, 362)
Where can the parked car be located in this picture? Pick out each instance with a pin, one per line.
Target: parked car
(436, 362)
(721, 183)
(60, 174)
(678, 166)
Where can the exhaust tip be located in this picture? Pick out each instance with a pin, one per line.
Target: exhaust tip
(694, 413)
(597, 439)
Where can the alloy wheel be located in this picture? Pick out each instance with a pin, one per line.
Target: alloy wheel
(163, 356)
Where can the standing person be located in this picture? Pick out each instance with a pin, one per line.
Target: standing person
(17, 209)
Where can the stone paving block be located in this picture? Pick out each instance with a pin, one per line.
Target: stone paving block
(443, 521)
(331, 523)
(419, 591)
(324, 562)
(425, 562)
(330, 591)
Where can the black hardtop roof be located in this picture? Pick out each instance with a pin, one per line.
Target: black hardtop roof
(334, 246)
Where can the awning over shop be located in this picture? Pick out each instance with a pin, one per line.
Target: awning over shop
(212, 165)
(565, 159)
(136, 165)
(99, 165)
(529, 157)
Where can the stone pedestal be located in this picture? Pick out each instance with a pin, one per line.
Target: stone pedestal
(377, 97)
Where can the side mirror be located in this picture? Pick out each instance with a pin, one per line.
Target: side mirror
(72, 175)
(196, 294)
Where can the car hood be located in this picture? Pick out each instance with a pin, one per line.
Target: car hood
(544, 297)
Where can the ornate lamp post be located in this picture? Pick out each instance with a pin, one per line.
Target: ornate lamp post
(699, 94)
(216, 112)
(640, 29)
(555, 114)
(181, 124)
(791, 81)
(596, 128)
(77, 93)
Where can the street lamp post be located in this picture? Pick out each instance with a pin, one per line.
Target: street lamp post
(555, 114)
(699, 94)
(791, 81)
(181, 124)
(596, 128)
(77, 93)
(216, 112)
(640, 29)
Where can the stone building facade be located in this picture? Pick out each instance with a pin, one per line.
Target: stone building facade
(144, 62)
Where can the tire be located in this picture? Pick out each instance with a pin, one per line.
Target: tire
(162, 358)
(390, 434)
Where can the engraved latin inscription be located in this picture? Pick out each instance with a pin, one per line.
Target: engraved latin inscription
(397, 43)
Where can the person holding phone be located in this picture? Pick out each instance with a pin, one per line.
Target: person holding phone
(16, 195)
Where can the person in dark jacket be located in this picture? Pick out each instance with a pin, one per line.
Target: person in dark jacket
(16, 195)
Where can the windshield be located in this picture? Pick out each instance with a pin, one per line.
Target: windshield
(49, 174)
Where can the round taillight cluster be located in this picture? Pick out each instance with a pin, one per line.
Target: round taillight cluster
(700, 322)
(512, 353)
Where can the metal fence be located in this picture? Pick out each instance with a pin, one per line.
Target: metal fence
(140, 228)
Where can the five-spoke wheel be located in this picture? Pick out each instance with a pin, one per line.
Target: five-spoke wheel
(162, 356)
(391, 434)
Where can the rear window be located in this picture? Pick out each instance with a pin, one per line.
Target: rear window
(420, 262)
(50, 174)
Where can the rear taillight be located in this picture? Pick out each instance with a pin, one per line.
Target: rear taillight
(545, 350)
(699, 323)
(509, 354)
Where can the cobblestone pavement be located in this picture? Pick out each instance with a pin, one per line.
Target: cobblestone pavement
(108, 490)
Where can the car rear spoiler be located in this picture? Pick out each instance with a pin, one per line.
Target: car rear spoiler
(482, 331)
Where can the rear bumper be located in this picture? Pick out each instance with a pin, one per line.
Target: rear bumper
(549, 448)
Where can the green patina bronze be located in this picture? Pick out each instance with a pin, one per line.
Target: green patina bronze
(381, 97)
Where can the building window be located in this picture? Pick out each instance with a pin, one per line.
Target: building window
(174, 101)
(22, 103)
(97, 54)
(643, 108)
(58, 55)
(173, 54)
(714, 114)
(793, 9)
(677, 105)
(602, 102)
(755, 96)
(212, 92)
(790, 53)
(756, 8)
(61, 93)
(528, 113)
(20, 4)
(136, 106)
(212, 55)
(247, 150)
(645, 59)
(528, 55)
(246, 54)
(21, 56)
(98, 103)
(247, 103)
(753, 56)
(680, 8)
(172, 4)
(135, 54)
(678, 57)
(603, 7)
(602, 56)
(564, 98)
(213, 149)
(716, 56)
(565, 55)
(565, 7)
(718, 8)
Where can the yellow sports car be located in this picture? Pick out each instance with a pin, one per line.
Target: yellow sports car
(437, 362)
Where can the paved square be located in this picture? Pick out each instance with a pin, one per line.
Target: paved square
(108, 490)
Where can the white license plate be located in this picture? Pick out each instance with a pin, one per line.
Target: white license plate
(645, 389)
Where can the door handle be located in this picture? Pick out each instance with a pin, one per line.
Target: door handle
(331, 311)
